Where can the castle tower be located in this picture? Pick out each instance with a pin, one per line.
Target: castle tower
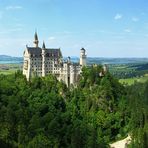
(72, 74)
(36, 41)
(82, 57)
(105, 68)
(43, 60)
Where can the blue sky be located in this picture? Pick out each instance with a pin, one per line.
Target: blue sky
(106, 28)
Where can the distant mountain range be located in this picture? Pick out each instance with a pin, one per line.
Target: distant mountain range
(90, 60)
(6, 58)
(9, 59)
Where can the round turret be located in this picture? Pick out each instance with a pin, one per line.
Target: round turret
(82, 57)
(36, 41)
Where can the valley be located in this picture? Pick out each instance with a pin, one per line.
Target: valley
(127, 70)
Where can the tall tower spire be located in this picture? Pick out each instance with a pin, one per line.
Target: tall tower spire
(43, 46)
(36, 41)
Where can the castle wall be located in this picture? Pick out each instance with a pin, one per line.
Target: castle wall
(39, 63)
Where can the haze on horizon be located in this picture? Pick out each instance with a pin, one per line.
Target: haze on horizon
(105, 28)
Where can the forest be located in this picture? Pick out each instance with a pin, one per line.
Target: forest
(44, 113)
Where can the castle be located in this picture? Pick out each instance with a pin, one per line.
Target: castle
(43, 61)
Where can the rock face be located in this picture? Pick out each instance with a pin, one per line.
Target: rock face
(122, 143)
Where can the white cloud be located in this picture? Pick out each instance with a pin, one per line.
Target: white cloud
(44, 28)
(135, 19)
(19, 25)
(51, 38)
(7, 31)
(13, 46)
(13, 7)
(118, 16)
(127, 30)
(106, 32)
(118, 37)
(15, 29)
(65, 32)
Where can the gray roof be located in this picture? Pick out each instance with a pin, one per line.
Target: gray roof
(50, 52)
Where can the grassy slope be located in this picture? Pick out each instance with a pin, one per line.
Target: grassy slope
(9, 68)
(137, 72)
(131, 81)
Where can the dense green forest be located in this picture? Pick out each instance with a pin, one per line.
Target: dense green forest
(45, 113)
(123, 71)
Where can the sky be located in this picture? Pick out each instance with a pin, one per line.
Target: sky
(105, 28)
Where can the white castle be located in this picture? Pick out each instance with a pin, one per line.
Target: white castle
(43, 61)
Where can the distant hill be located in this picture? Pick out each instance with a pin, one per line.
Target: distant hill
(9, 59)
(140, 66)
(90, 60)
(101, 60)
(6, 57)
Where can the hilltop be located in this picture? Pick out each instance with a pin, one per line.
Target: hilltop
(10, 59)
(7, 57)
(45, 113)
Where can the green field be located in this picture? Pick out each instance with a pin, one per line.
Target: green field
(127, 74)
(6, 72)
(131, 81)
(9, 68)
